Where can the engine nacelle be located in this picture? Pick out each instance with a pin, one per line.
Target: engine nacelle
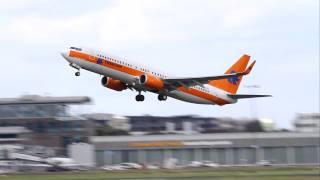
(110, 83)
(151, 81)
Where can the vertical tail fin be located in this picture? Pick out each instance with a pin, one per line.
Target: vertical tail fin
(231, 85)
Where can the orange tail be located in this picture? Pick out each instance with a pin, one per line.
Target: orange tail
(231, 85)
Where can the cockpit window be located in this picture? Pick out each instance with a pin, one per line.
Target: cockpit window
(75, 48)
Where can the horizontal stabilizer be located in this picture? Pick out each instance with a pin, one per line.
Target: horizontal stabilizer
(245, 96)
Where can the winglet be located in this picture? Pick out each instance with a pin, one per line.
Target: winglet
(248, 70)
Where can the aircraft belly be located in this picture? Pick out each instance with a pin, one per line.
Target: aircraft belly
(188, 97)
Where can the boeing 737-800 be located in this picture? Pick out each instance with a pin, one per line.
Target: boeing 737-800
(120, 74)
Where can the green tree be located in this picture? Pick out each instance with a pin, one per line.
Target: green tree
(254, 126)
(110, 131)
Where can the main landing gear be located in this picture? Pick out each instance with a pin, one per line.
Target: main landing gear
(162, 97)
(77, 73)
(140, 97)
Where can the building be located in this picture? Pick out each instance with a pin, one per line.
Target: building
(149, 124)
(82, 153)
(285, 148)
(307, 122)
(48, 120)
(103, 119)
(120, 122)
(14, 135)
(188, 123)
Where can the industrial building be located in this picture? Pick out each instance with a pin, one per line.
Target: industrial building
(287, 148)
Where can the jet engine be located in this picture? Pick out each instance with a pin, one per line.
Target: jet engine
(110, 83)
(151, 81)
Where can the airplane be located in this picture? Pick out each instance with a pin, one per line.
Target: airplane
(120, 74)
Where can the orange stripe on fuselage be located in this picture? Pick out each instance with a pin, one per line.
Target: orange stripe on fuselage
(106, 63)
(135, 72)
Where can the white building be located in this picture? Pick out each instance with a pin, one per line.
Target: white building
(307, 122)
(119, 122)
(115, 121)
(82, 153)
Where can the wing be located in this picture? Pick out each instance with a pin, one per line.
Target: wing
(188, 82)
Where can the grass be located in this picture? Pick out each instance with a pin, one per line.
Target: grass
(199, 174)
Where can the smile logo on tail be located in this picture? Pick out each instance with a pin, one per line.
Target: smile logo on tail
(233, 80)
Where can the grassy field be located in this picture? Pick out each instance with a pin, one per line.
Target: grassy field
(202, 174)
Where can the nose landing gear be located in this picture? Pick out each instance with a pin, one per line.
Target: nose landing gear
(77, 67)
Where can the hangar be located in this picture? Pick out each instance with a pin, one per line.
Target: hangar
(281, 148)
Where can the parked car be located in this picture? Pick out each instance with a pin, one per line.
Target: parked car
(264, 163)
(113, 167)
(122, 166)
(131, 165)
(149, 166)
(195, 164)
(209, 164)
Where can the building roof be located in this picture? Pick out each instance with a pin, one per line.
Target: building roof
(217, 136)
(98, 116)
(35, 99)
(71, 118)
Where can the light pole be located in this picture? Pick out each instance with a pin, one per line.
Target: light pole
(253, 103)
(254, 115)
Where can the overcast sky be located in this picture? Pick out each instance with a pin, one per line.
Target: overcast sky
(185, 38)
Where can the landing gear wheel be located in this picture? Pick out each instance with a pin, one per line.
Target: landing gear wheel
(162, 97)
(140, 97)
(77, 73)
